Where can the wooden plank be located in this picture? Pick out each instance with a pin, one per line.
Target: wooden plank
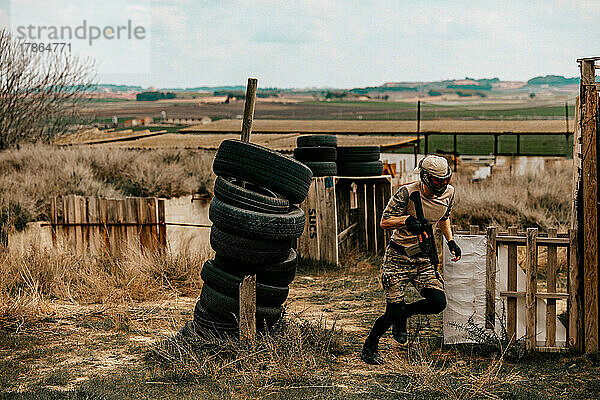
(380, 203)
(370, 217)
(103, 215)
(342, 195)
(490, 281)
(308, 244)
(551, 288)
(72, 220)
(511, 312)
(129, 218)
(531, 289)
(113, 229)
(94, 232)
(574, 305)
(590, 217)
(576, 177)
(152, 219)
(328, 244)
(542, 241)
(362, 215)
(78, 219)
(474, 229)
(123, 228)
(540, 295)
(53, 220)
(247, 298)
(141, 218)
(162, 233)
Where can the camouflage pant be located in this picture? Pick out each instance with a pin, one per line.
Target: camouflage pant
(398, 270)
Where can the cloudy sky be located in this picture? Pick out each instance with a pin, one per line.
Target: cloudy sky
(310, 43)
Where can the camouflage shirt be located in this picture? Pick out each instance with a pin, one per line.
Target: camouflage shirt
(435, 209)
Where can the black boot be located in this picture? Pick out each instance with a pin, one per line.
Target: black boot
(369, 353)
(399, 331)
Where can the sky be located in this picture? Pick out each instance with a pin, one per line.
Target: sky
(324, 43)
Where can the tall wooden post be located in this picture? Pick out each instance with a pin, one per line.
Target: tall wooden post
(249, 108)
(490, 282)
(247, 295)
(511, 312)
(589, 231)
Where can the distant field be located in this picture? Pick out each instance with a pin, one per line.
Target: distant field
(336, 110)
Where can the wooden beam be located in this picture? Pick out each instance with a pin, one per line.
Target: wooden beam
(247, 298)
(590, 215)
(540, 295)
(574, 305)
(490, 281)
(249, 109)
(511, 313)
(346, 233)
(588, 72)
(531, 289)
(551, 288)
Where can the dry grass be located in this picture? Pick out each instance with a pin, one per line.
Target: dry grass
(31, 176)
(33, 280)
(540, 199)
(297, 354)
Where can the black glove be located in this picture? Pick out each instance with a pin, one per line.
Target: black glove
(416, 226)
(454, 249)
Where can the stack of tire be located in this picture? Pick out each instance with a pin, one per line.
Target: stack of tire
(255, 221)
(319, 153)
(359, 161)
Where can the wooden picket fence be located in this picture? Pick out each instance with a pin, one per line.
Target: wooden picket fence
(532, 240)
(91, 224)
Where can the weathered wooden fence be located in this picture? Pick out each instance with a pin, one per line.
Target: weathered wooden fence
(96, 224)
(532, 240)
(344, 211)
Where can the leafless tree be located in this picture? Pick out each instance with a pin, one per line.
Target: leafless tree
(41, 93)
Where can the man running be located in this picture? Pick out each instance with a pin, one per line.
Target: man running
(404, 262)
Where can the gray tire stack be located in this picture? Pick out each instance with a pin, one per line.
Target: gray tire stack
(359, 161)
(255, 221)
(318, 152)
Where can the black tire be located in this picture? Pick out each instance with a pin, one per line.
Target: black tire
(371, 168)
(228, 284)
(315, 154)
(358, 153)
(324, 168)
(251, 251)
(226, 309)
(263, 167)
(256, 225)
(251, 197)
(205, 321)
(279, 274)
(316, 141)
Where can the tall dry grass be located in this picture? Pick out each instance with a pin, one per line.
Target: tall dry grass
(34, 280)
(31, 176)
(538, 199)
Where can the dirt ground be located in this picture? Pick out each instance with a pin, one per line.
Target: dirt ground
(101, 352)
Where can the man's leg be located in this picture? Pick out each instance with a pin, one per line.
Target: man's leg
(431, 287)
(394, 280)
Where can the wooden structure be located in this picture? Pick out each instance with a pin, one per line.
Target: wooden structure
(341, 211)
(532, 240)
(94, 224)
(585, 201)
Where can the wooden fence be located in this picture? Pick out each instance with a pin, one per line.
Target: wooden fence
(532, 240)
(95, 224)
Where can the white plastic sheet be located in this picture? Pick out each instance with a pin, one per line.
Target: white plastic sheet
(465, 291)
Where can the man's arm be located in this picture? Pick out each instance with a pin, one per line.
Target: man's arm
(446, 228)
(394, 215)
(393, 222)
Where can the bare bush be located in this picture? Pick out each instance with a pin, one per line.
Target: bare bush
(40, 92)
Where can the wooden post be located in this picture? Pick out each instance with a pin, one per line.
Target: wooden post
(590, 215)
(249, 108)
(511, 312)
(362, 215)
(551, 288)
(576, 177)
(248, 309)
(531, 289)
(575, 312)
(490, 281)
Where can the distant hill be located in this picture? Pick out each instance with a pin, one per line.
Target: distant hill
(553, 80)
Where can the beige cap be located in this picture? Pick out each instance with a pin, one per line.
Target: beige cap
(435, 165)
